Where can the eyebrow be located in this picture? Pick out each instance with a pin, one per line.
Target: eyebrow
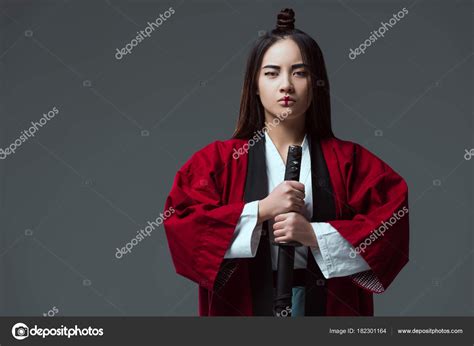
(293, 67)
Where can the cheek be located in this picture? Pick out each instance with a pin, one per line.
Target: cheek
(267, 93)
(266, 87)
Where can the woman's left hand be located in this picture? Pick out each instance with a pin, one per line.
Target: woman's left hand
(294, 227)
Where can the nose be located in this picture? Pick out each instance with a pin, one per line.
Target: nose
(286, 86)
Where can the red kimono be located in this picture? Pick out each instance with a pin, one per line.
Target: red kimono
(207, 201)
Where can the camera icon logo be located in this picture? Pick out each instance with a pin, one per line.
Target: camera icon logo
(20, 331)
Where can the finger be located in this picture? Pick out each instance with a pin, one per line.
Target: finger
(278, 225)
(296, 210)
(295, 199)
(283, 239)
(298, 194)
(279, 233)
(280, 217)
(301, 202)
(302, 209)
(298, 202)
(296, 184)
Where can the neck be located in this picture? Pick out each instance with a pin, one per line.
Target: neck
(288, 132)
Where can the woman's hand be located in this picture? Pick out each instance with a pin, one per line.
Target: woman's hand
(286, 197)
(294, 227)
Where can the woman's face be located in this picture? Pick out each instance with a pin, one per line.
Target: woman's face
(283, 73)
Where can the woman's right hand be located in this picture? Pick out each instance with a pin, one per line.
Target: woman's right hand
(286, 197)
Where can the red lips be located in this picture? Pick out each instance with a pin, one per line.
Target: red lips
(287, 98)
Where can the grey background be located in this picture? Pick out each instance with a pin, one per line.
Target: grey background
(102, 168)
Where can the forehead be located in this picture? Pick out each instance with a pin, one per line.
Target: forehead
(283, 52)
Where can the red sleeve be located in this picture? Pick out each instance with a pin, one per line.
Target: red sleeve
(201, 227)
(377, 197)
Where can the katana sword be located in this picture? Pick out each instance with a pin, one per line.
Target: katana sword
(286, 251)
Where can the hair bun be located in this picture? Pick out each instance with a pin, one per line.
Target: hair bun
(286, 19)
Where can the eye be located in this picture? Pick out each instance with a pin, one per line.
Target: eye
(302, 73)
(298, 73)
(270, 73)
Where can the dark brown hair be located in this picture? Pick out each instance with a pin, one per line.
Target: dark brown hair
(318, 116)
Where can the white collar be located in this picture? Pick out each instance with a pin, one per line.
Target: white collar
(270, 146)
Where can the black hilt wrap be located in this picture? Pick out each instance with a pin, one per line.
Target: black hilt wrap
(286, 251)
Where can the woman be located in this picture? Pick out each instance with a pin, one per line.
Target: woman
(349, 209)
